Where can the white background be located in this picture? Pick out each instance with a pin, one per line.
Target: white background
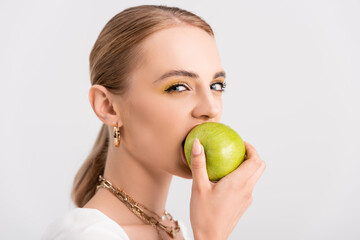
(293, 93)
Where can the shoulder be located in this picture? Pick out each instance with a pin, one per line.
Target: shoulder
(84, 223)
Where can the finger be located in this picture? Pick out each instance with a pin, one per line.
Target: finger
(198, 165)
(246, 170)
(249, 167)
(250, 151)
(246, 154)
(255, 178)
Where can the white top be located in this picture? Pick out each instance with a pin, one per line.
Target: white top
(86, 223)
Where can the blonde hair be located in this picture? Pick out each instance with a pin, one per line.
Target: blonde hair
(114, 56)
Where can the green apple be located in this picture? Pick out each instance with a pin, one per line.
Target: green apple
(224, 148)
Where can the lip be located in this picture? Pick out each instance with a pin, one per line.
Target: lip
(183, 157)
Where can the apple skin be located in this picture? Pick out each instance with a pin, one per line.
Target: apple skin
(224, 148)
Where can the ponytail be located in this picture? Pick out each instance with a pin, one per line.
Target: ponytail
(86, 178)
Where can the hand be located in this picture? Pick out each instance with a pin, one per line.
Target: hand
(216, 208)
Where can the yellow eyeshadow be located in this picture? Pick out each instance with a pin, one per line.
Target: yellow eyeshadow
(184, 82)
(174, 82)
(219, 79)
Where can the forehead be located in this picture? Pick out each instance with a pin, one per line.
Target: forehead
(180, 47)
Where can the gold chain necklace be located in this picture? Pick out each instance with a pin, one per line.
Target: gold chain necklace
(138, 209)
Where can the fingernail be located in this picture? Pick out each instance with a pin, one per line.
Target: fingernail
(196, 150)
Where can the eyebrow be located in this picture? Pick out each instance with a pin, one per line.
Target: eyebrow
(184, 73)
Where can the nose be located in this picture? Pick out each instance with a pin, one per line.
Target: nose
(208, 106)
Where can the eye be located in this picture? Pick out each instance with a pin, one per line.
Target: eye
(181, 87)
(177, 88)
(219, 86)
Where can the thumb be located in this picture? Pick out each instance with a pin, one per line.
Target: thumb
(198, 165)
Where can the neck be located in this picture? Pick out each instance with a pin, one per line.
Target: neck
(145, 184)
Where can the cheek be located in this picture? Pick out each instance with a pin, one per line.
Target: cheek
(155, 129)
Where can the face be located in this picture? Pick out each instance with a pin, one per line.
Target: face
(178, 86)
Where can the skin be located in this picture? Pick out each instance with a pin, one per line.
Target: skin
(153, 123)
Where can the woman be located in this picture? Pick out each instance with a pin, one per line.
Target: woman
(155, 74)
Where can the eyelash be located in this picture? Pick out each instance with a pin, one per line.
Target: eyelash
(171, 88)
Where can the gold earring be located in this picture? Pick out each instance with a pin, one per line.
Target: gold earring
(116, 135)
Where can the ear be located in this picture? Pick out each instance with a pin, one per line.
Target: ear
(102, 102)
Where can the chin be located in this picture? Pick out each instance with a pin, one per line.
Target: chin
(183, 172)
(186, 176)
